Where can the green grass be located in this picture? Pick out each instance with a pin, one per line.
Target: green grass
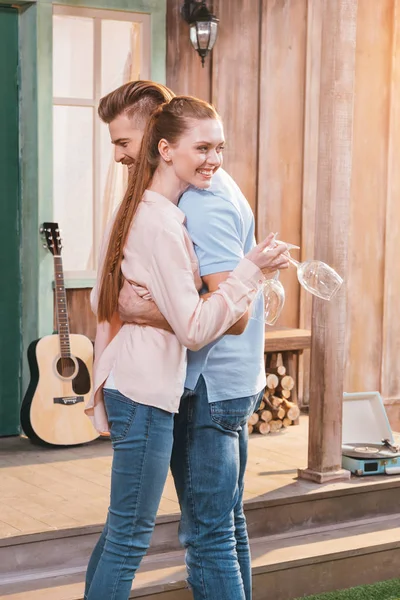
(386, 590)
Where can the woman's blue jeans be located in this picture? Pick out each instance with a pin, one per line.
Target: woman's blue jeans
(142, 440)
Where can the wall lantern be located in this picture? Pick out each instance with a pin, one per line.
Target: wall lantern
(203, 26)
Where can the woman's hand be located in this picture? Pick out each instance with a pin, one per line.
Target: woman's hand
(269, 256)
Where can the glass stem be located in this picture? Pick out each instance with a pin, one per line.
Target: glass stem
(293, 261)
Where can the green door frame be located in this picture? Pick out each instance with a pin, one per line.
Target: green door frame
(10, 227)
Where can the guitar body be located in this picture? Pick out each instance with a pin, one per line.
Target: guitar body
(52, 411)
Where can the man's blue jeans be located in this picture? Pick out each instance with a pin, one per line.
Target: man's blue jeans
(208, 464)
(142, 440)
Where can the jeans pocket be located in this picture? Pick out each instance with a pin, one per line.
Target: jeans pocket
(120, 412)
(233, 414)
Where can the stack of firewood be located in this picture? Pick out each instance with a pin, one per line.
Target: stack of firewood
(276, 411)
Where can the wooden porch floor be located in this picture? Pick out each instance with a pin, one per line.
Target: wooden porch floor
(52, 489)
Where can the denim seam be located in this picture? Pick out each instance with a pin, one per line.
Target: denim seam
(225, 425)
(119, 395)
(221, 415)
(192, 502)
(215, 397)
(124, 435)
(117, 579)
(128, 425)
(134, 520)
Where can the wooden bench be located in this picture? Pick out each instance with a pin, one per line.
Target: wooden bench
(290, 343)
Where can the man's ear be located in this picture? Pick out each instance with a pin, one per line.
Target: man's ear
(165, 150)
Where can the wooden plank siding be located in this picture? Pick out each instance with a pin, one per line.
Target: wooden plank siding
(265, 77)
(390, 371)
(281, 132)
(235, 89)
(369, 192)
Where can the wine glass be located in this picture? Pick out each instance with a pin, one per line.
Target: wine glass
(274, 299)
(273, 290)
(317, 277)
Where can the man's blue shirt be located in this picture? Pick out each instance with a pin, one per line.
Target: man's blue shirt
(221, 224)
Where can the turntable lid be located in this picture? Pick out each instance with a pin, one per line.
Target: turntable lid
(364, 419)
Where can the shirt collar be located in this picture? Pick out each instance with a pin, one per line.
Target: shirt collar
(177, 213)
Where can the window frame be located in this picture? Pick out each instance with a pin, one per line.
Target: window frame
(99, 15)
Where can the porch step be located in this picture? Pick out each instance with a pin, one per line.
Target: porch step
(285, 566)
(278, 513)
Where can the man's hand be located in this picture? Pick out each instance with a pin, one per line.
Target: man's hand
(130, 305)
(134, 309)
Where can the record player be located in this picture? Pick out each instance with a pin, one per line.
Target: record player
(368, 445)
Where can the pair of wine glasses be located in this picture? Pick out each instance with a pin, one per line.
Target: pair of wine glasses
(315, 276)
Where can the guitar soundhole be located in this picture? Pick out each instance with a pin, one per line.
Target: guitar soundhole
(66, 367)
(81, 383)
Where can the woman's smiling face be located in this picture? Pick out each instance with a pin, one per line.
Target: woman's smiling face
(198, 153)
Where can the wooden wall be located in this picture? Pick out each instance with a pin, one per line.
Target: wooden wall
(256, 80)
(264, 78)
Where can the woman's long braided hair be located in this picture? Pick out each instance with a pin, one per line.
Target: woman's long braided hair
(169, 121)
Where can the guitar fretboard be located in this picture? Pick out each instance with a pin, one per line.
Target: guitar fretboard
(61, 308)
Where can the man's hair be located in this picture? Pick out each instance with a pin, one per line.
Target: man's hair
(136, 99)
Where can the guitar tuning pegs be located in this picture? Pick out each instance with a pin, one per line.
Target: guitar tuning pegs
(41, 230)
(45, 246)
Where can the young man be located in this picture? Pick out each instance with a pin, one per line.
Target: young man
(224, 380)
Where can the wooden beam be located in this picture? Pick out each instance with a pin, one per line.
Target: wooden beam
(310, 171)
(281, 340)
(339, 25)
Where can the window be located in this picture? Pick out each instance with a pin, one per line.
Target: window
(94, 52)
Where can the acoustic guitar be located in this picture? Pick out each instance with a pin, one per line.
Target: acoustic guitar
(52, 411)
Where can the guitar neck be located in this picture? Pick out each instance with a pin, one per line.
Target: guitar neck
(61, 308)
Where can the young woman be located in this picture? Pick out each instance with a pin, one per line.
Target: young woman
(140, 371)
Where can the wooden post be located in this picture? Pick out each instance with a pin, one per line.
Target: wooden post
(339, 24)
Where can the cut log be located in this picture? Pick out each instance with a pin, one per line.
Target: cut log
(262, 406)
(275, 401)
(275, 425)
(262, 427)
(250, 428)
(286, 422)
(281, 370)
(287, 383)
(277, 412)
(292, 411)
(280, 413)
(253, 419)
(265, 415)
(268, 404)
(272, 381)
(279, 391)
